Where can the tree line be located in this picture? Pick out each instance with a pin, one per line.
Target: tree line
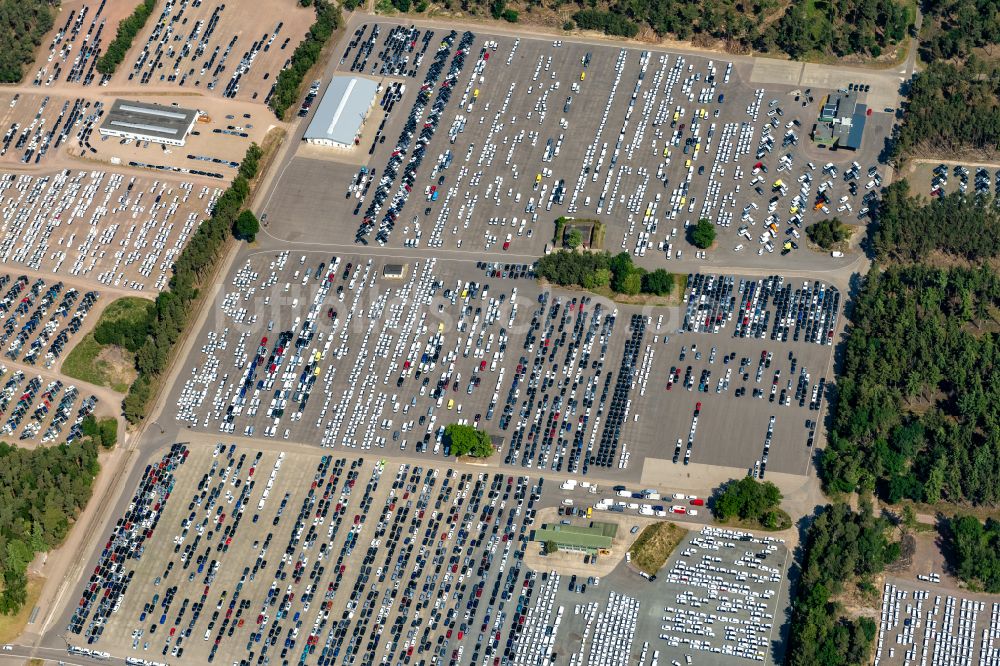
(23, 23)
(128, 28)
(835, 27)
(843, 548)
(169, 314)
(594, 270)
(289, 82)
(950, 109)
(975, 550)
(41, 491)
(918, 405)
(908, 228)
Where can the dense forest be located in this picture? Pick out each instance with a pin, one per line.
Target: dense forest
(908, 228)
(975, 549)
(41, 491)
(952, 28)
(840, 27)
(952, 108)
(918, 404)
(837, 27)
(23, 23)
(842, 548)
(289, 82)
(168, 317)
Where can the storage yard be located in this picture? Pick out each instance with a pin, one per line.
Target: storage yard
(922, 623)
(115, 230)
(295, 499)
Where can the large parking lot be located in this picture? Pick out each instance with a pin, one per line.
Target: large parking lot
(922, 624)
(230, 552)
(239, 552)
(188, 45)
(115, 230)
(330, 350)
(522, 131)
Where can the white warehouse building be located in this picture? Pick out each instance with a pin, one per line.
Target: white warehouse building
(342, 111)
(155, 123)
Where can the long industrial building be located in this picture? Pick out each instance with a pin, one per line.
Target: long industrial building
(142, 121)
(342, 111)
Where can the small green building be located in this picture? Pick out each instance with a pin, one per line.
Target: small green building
(590, 540)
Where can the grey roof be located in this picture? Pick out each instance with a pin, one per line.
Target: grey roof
(857, 127)
(154, 120)
(342, 109)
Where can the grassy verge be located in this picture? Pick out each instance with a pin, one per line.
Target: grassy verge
(11, 626)
(783, 523)
(674, 298)
(107, 365)
(654, 545)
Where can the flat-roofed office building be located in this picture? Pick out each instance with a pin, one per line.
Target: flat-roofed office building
(143, 121)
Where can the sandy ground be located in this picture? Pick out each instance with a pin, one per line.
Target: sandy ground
(234, 21)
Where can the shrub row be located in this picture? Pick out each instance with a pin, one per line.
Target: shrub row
(168, 317)
(127, 30)
(286, 89)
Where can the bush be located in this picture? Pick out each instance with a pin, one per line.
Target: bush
(658, 282)
(464, 440)
(702, 235)
(607, 22)
(574, 239)
(593, 270)
(128, 28)
(828, 232)
(286, 89)
(509, 15)
(246, 226)
(124, 323)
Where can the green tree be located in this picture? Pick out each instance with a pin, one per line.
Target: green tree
(702, 234)
(574, 239)
(247, 226)
(465, 440)
(631, 284)
(658, 282)
(747, 499)
(551, 547)
(842, 548)
(828, 232)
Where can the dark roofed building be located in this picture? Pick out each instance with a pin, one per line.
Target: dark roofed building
(143, 121)
(841, 121)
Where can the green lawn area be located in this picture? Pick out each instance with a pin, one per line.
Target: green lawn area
(654, 545)
(107, 365)
(11, 626)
